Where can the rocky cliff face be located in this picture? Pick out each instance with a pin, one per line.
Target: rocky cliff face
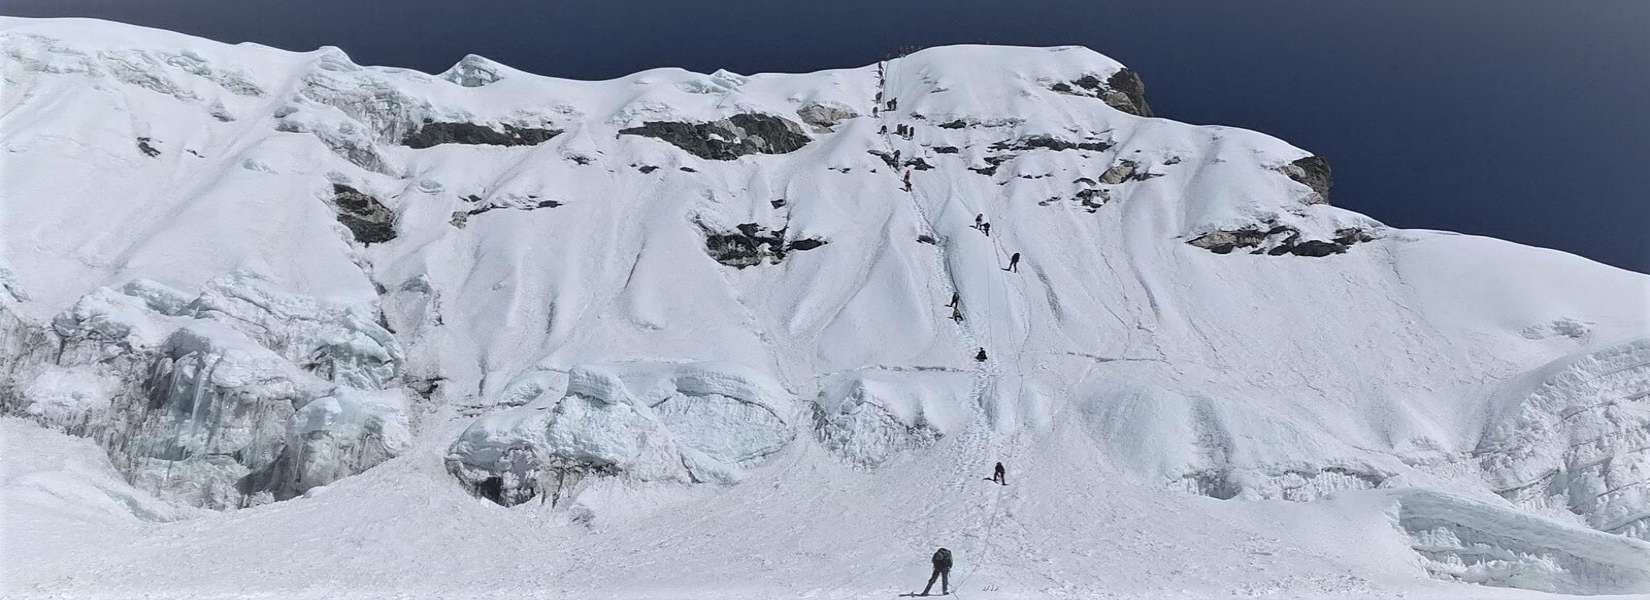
(670, 278)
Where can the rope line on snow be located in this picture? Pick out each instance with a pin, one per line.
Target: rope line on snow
(986, 382)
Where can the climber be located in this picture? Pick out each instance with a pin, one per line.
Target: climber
(979, 220)
(986, 229)
(980, 356)
(998, 476)
(907, 180)
(942, 572)
(882, 130)
(1013, 263)
(956, 314)
(955, 300)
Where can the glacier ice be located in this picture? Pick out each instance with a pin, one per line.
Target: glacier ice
(240, 393)
(697, 422)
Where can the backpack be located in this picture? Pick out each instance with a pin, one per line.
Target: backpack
(942, 558)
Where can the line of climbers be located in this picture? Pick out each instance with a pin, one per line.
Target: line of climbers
(942, 559)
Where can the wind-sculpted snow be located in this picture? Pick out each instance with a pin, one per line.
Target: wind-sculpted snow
(1578, 442)
(648, 422)
(1466, 540)
(823, 302)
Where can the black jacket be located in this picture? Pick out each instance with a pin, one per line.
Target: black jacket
(942, 559)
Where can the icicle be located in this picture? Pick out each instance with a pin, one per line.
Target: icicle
(203, 379)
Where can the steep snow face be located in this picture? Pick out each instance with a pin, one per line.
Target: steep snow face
(249, 272)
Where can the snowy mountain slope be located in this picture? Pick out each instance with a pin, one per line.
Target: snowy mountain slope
(250, 274)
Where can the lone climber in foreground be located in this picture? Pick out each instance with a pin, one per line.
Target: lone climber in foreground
(1013, 263)
(942, 572)
(998, 476)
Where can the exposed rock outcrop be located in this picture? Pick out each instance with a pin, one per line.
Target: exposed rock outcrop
(1126, 92)
(368, 219)
(991, 164)
(437, 133)
(1278, 240)
(1124, 170)
(1313, 172)
(1091, 198)
(1049, 142)
(751, 244)
(1123, 91)
(462, 217)
(727, 139)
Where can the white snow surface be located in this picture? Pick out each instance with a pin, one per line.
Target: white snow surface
(187, 323)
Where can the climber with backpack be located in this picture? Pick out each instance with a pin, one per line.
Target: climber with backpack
(998, 476)
(942, 572)
(1013, 263)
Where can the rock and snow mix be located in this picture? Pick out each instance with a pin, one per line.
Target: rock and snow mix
(252, 275)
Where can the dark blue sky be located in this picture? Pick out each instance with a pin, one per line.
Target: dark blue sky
(1524, 120)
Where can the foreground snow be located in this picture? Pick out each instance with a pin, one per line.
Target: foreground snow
(684, 335)
(403, 530)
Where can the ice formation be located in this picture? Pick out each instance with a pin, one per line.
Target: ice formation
(239, 395)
